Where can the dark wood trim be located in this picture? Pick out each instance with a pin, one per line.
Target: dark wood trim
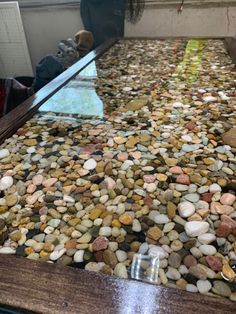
(230, 44)
(47, 288)
(17, 117)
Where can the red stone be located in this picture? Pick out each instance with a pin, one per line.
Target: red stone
(223, 230)
(229, 221)
(214, 263)
(207, 197)
(99, 256)
(81, 189)
(183, 179)
(100, 243)
(148, 201)
(190, 125)
(234, 232)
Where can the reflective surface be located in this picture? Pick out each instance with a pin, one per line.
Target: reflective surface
(78, 96)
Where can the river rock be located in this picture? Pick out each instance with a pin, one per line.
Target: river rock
(196, 228)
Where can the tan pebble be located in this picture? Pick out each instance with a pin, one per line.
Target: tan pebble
(30, 142)
(126, 219)
(31, 188)
(181, 283)
(95, 213)
(228, 271)
(15, 236)
(233, 296)
(154, 233)
(49, 182)
(171, 210)
(171, 162)
(163, 277)
(119, 140)
(161, 177)
(11, 200)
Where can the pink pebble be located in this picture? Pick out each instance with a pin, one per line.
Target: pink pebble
(136, 155)
(122, 156)
(223, 230)
(227, 199)
(31, 188)
(149, 178)
(183, 179)
(176, 170)
(228, 220)
(37, 179)
(214, 262)
(100, 243)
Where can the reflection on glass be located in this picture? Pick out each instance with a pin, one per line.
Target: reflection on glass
(78, 96)
(145, 268)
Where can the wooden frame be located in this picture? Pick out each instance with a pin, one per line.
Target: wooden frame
(45, 288)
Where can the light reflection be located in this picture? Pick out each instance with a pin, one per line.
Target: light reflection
(78, 96)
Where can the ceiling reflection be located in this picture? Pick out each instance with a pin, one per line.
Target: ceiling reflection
(78, 97)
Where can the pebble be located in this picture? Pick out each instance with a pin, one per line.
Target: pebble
(207, 249)
(206, 238)
(147, 178)
(221, 288)
(203, 286)
(5, 183)
(4, 153)
(196, 228)
(90, 164)
(79, 256)
(186, 209)
(121, 271)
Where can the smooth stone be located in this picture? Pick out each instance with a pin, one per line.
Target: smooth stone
(173, 273)
(221, 288)
(158, 252)
(151, 187)
(181, 187)
(186, 209)
(105, 231)
(54, 223)
(121, 255)
(189, 148)
(204, 286)
(6, 183)
(191, 288)
(214, 263)
(121, 271)
(192, 197)
(227, 199)
(207, 249)
(214, 188)
(79, 256)
(229, 138)
(206, 238)
(161, 219)
(55, 255)
(174, 260)
(143, 248)
(196, 228)
(4, 153)
(90, 164)
(7, 250)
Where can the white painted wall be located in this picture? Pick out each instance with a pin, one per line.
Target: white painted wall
(44, 28)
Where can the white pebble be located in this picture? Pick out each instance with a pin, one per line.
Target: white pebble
(186, 209)
(173, 273)
(143, 248)
(207, 249)
(4, 153)
(214, 188)
(191, 288)
(151, 187)
(79, 256)
(196, 228)
(5, 183)
(105, 231)
(90, 164)
(7, 250)
(121, 255)
(55, 255)
(161, 219)
(206, 238)
(157, 251)
(120, 271)
(203, 286)
(136, 227)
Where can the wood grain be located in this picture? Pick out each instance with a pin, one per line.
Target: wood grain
(48, 288)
